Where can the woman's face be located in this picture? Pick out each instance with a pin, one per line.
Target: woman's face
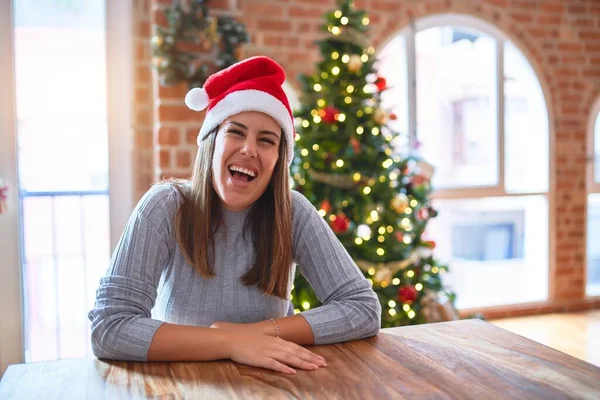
(246, 151)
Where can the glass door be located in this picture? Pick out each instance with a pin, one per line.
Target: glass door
(60, 75)
(70, 69)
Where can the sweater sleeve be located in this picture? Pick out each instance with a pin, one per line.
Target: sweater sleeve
(351, 309)
(122, 328)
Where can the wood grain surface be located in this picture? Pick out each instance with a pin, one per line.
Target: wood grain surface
(460, 359)
(577, 334)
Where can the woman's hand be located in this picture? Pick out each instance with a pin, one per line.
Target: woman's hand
(272, 353)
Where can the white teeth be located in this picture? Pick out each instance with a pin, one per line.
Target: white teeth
(242, 170)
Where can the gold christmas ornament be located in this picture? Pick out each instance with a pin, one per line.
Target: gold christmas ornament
(380, 116)
(157, 61)
(383, 274)
(355, 63)
(400, 202)
(158, 41)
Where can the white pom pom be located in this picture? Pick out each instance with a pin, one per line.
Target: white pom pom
(197, 99)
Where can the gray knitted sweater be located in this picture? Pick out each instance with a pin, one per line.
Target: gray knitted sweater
(149, 281)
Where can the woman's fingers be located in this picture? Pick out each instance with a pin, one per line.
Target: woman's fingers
(294, 361)
(274, 354)
(271, 363)
(308, 355)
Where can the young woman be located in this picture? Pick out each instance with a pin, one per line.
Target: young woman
(214, 257)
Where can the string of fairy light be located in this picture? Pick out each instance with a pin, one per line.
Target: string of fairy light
(318, 115)
(392, 304)
(374, 232)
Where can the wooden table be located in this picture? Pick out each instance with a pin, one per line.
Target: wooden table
(462, 359)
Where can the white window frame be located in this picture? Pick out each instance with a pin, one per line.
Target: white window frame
(119, 94)
(592, 185)
(119, 59)
(498, 190)
(450, 19)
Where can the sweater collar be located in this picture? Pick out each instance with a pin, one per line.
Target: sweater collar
(235, 220)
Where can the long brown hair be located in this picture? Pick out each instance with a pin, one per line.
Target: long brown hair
(270, 220)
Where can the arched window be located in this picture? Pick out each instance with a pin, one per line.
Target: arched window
(593, 218)
(476, 111)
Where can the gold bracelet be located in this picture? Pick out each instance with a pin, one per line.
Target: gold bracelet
(276, 327)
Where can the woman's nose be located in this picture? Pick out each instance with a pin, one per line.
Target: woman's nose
(249, 148)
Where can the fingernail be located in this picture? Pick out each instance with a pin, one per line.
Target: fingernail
(292, 371)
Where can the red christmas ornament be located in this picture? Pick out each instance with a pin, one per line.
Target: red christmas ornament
(423, 214)
(381, 83)
(429, 244)
(329, 114)
(393, 117)
(407, 294)
(355, 145)
(340, 224)
(326, 205)
(419, 180)
(399, 236)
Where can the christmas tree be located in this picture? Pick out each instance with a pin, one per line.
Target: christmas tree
(374, 196)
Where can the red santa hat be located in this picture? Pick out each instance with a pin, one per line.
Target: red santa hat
(253, 84)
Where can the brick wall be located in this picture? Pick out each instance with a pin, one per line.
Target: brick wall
(560, 37)
(143, 149)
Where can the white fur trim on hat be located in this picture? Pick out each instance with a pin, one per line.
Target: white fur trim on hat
(250, 100)
(197, 99)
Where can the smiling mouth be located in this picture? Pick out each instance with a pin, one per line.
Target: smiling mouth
(241, 174)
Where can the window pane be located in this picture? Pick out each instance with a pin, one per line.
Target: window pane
(60, 60)
(457, 118)
(593, 250)
(60, 70)
(392, 65)
(597, 149)
(65, 256)
(525, 126)
(497, 249)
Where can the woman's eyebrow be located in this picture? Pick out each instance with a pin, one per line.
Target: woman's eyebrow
(269, 133)
(238, 124)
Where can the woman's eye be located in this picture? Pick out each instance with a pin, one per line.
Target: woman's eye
(236, 132)
(270, 141)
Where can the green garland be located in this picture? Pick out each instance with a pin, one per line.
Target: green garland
(190, 30)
